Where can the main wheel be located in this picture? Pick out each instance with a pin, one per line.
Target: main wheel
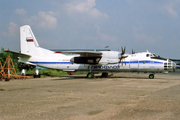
(151, 76)
(37, 76)
(104, 75)
(90, 75)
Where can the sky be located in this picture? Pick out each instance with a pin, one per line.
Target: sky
(141, 25)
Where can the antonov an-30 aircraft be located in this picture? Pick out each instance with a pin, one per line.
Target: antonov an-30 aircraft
(91, 62)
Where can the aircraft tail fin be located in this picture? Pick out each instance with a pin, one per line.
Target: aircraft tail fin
(29, 44)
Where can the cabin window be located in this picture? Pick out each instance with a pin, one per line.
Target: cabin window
(169, 64)
(165, 66)
(147, 55)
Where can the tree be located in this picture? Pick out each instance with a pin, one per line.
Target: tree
(4, 55)
(18, 66)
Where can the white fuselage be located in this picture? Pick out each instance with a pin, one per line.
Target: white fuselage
(89, 61)
(139, 62)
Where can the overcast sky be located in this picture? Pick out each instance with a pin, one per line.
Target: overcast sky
(141, 25)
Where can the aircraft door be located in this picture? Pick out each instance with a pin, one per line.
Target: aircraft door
(134, 64)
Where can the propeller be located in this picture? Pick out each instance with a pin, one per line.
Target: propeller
(123, 56)
(133, 52)
(123, 50)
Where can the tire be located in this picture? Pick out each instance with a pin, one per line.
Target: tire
(37, 76)
(90, 75)
(104, 75)
(151, 76)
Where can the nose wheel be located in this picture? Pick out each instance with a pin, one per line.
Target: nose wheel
(151, 76)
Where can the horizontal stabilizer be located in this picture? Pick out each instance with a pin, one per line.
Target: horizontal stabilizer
(17, 54)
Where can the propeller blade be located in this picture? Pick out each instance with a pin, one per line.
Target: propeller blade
(133, 52)
(123, 50)
(122, 53)
(120, 60)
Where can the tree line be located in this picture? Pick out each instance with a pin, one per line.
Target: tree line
(18, 66)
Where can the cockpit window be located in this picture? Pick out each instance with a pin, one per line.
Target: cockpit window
(151, 55)
(154, 55)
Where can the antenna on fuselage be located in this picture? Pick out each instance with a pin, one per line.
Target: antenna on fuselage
(107, 47)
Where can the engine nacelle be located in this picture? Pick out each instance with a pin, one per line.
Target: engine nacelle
(106, 61)
(110, 57)
(85, 60)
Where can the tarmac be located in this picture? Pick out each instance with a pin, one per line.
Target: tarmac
(124, 96)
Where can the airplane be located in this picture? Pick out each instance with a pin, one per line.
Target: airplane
(91, 62)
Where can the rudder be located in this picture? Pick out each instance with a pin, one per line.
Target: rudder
(28, 42)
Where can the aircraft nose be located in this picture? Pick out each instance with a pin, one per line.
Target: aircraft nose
(169, 65)
(174, 65)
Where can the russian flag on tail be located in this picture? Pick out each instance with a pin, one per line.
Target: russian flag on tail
(29, 40)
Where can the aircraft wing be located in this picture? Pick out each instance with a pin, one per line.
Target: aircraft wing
(84, 53)
(18, 54)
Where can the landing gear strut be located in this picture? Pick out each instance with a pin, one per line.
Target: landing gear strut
(151, 76)
(104, 74)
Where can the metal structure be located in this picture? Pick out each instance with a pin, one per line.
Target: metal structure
(8, 71)
(1, 71)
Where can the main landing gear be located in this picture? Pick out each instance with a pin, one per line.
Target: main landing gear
(104, 74)
(90, 75)
(151, 76)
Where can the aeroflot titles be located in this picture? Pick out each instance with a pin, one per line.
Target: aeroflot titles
(104, 67)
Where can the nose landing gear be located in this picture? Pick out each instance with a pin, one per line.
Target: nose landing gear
(151, 76)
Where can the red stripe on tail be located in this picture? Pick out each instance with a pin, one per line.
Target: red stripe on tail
(30, 40)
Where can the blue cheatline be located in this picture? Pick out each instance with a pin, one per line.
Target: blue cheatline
(132, 62)
(50, 62)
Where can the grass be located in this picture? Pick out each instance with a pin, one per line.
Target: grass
(49, 72)
(50, 91)
(102, 92)
(95, 112)
(2, 89)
